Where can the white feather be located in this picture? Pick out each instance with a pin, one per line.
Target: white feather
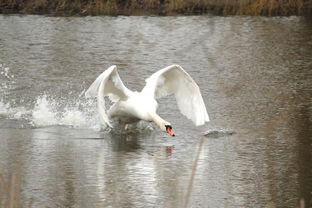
(107, 84)
(113, 85)
(170, 80)
(175, 80)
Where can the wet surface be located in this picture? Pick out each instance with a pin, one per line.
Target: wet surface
(256, 80)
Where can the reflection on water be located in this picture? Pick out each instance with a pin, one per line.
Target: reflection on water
(256, 79)
(125, 142)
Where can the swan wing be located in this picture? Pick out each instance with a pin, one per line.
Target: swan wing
(175, 80)
(113, 86)
(107, 84)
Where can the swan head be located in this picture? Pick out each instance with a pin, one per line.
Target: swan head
(163, 125)
(169, 129)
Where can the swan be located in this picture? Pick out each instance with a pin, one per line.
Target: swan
(171, 80)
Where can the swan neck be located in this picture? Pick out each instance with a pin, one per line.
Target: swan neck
(158, 120)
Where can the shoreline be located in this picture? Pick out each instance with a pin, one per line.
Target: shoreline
(157, 7)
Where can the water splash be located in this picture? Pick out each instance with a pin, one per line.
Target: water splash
(43, 113)
(7, 111)
(49, 111)
(6, 72)
(46, 109)
(76, 113)
(218, 133)
(6, 78)
(3, 110)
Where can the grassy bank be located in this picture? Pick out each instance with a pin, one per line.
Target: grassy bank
(158, 7)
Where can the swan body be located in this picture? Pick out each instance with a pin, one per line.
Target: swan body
(129, 105)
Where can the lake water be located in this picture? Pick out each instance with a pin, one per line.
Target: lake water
(255, 75)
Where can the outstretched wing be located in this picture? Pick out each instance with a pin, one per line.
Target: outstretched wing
(107, 84)
(174, 80)
(113, 86)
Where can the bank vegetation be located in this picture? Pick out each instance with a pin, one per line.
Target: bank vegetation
(10, 189)
(158, 7)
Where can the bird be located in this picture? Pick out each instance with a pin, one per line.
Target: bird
(131, 105)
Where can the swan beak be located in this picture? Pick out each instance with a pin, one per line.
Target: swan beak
(170, 132)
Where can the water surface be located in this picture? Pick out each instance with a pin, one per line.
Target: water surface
(255, 77)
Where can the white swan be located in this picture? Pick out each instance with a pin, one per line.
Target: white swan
(142, 105)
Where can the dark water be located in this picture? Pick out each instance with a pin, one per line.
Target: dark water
(255, 74)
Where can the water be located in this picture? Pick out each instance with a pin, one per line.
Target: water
(256, 80)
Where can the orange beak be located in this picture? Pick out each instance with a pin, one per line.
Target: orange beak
(170, 132)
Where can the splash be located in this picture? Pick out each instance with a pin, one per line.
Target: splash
(6, 72)
(43, 113)
(49, 112)
(46, 109)
(76, 113)
(7, 111)
(218, 133)
(3, 110)
(6, 79)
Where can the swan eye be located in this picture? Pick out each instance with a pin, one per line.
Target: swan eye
(168, 127)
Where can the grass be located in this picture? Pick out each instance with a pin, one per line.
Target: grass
(267, 7)
(158, 7)
(9, 191)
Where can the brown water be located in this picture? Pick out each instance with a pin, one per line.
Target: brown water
(255, 74)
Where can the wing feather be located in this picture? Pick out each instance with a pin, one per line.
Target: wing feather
(113, 86)
(174, 80)
(107, 84)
